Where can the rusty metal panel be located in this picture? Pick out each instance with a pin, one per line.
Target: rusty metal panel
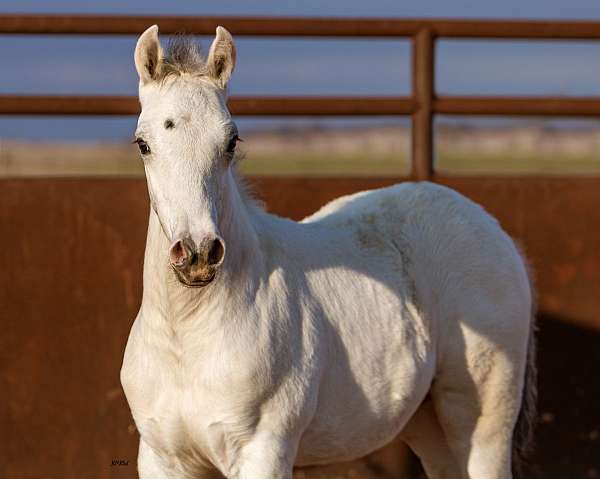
(70, 287)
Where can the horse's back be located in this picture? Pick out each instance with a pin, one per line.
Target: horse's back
(443, 234)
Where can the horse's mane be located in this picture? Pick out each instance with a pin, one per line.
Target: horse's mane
(182, 55)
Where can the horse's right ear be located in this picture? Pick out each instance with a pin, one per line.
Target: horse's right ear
(148, 54)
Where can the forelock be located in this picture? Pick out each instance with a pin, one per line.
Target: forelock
(182, 55)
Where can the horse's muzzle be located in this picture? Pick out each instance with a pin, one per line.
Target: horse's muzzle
(196, 266)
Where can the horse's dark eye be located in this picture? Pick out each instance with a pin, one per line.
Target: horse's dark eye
(232, 144)
(143, 146)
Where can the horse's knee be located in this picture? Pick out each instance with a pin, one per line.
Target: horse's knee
(265, 457)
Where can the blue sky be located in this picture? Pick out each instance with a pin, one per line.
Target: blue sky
(298, 66)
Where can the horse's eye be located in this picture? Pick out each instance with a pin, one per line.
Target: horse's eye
(143, 146)
(232, 144)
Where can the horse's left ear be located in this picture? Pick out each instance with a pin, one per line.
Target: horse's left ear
(221, 58)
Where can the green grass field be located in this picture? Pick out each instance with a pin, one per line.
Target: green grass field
(25, 160)
(326, 166)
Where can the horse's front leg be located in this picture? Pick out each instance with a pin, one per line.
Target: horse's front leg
(266, 457)
(151, 466)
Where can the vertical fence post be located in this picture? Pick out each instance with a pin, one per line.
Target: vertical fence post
(423, 68)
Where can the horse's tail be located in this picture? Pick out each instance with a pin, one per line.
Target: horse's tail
(526, 421)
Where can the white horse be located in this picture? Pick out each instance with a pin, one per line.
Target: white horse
(262, 343)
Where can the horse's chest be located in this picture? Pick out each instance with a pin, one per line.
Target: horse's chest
(181, 419)
(170, 422)
(168, 412)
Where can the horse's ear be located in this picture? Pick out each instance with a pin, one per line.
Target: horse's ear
(221, 58)
(148, 54)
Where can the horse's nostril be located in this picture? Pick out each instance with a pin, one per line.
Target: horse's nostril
(216, 252)
(179, 254)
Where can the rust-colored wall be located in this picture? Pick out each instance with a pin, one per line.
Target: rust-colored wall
(71, 258)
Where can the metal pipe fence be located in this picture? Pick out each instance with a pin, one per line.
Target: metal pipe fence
(421, 105)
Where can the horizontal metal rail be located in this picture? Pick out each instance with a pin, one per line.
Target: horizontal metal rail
(313, 106)
(422, 104)
(247, 106)
(33, 24)
(518, 106)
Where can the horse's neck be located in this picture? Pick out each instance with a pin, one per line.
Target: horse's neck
(167, 298)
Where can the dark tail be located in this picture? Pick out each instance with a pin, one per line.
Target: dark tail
(526, 421)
